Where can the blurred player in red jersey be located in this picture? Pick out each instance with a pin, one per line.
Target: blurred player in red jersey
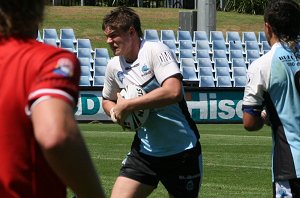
(41, 148)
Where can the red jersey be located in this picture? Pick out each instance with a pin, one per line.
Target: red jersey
(29, 71)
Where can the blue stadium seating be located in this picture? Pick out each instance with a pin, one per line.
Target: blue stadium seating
(151, 35)
(223, 81)
(67, 33)
(206, 81)
(199, 35)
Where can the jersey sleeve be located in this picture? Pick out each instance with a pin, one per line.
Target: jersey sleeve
(164, 63)
(257, 83)
(57, 76)
(111, 88)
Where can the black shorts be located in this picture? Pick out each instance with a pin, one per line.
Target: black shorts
(180, 174)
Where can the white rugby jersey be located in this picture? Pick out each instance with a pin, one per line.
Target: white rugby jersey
(168, 130)
(273, 81)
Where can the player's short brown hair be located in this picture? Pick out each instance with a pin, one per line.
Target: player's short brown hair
(122, 18)
(20, 18)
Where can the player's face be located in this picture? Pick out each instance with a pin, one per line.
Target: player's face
(119, 41)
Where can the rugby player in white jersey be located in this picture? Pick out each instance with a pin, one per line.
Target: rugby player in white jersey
(167, 148)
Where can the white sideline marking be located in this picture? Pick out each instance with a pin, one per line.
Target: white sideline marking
(216, 135)
(237, 166)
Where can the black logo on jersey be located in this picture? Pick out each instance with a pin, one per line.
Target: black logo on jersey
(165, 57)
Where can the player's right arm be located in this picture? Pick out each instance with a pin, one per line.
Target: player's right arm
(51, 101)
(63, 146)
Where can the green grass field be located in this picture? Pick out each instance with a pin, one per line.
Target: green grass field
(236, 163)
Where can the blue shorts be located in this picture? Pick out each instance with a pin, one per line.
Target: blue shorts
(180, 174)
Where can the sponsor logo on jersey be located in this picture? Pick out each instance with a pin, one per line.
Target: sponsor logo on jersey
(145, 70)
(120, 76)
(64, 67)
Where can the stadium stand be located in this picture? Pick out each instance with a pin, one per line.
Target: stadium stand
(67, 33)
(84, 43)
(252, 55)
(251, 45)
(265, 47)
(223, 81)
(99, 70)
(151, 35)
(101, 61)
(221, 62)
(239, 81)
(98, 81)
(167, 35)
(248, 36)
(219, 54)
(219, 45)
(68, 44)
(172, 45)
(50, 41)
(184, 35)
(85, 71)
(185, 53)
(238, 62)
(239, 71)
(232, 36)
(188, 62)
(85, 53)
(185, 44)
(101, 52)
(222, 71)
(199, 35)
(205, 71)
(84, 81)
(204, 62)
(206, 81)
(50, 33)
(84, 61)
(197, 54)
(203, 54)
(189, 75)
(202, 45)
(261, 37)
(216, 35)
(235, 45)
(235, 54)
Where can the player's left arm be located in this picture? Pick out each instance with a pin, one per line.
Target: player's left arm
(169, 93)
(252, 122)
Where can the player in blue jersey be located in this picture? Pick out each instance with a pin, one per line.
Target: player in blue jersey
(167, 147)
(273, 85)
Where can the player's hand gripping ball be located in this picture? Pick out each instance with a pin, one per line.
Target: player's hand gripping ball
(136, 119)
(265, 116)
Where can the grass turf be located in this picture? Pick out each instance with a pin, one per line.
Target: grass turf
(236, 163)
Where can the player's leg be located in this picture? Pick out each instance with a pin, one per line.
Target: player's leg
(295, 187)
(182, 175)
(136, 179)
(129, 188)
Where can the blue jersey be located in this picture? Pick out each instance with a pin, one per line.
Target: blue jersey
(168, 130)
(273, 82)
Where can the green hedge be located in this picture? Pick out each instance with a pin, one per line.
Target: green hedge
(246, 6)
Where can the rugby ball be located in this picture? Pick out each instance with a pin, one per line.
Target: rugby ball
(136, 119)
